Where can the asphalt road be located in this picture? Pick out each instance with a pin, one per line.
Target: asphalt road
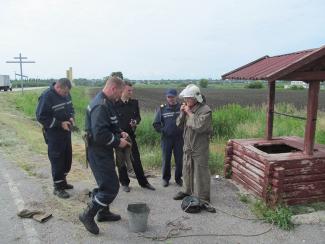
(18, 190)
(25, 89)
(29, 88)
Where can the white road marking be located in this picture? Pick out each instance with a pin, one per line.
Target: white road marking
(31, 233)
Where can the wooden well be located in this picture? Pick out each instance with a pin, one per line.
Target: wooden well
(277, 170)
(289, 169)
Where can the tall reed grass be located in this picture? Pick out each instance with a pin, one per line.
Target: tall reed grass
(27, 103)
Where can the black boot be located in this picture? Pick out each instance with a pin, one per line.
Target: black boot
(106, 215)
(66, 185)
(87, 217)
(60, 192)
(180, 195)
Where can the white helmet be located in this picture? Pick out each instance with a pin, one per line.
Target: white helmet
(192, 91)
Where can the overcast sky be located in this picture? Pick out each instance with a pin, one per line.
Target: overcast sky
(153, 39)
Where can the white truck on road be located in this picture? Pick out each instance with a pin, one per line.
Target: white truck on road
(5, 83)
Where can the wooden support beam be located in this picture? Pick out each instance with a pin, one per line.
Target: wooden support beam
(270, 110)
(312, 107)
(305, 76)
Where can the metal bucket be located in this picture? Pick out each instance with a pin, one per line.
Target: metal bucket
(138, 216)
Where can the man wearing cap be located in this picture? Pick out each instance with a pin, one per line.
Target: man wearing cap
(196, 120)
(171, 137)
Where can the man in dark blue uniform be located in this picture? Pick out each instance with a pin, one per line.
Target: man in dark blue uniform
(171, 137)
(103, 135)
(129, 117)
(55, 112)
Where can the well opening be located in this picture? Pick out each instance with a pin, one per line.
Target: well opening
(276, 148)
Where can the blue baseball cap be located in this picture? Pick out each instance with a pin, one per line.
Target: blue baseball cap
(171, 93)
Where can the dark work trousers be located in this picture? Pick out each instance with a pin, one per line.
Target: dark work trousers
(120, 154)
(170, 144)
(60, 155)
(136, 164)
(101, 161)
(123, 177)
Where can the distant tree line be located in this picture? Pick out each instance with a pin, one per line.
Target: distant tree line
(89, 82)
(32, 82)
(203, 83)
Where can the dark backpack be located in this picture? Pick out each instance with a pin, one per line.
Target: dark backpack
(192, 204)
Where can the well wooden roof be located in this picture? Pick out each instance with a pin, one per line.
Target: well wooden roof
(306, 65)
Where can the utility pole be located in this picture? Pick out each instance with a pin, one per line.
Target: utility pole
(21, 62)
(24, 76)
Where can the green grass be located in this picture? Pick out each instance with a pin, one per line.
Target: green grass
(28, 168)
(230, 121)
(226, 119)
(150, 156)
(317, 205)
(80, 100)
(280, 215)
(27, 103)
(307, 208)
(216, 160)
(146, 134)
(244, 198)
(7, 141)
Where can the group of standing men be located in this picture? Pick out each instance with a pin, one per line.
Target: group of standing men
(111, 120)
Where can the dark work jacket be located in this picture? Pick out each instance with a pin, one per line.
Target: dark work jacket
(53, 109)
(165, 120)
(128, 111)
(102, 122)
